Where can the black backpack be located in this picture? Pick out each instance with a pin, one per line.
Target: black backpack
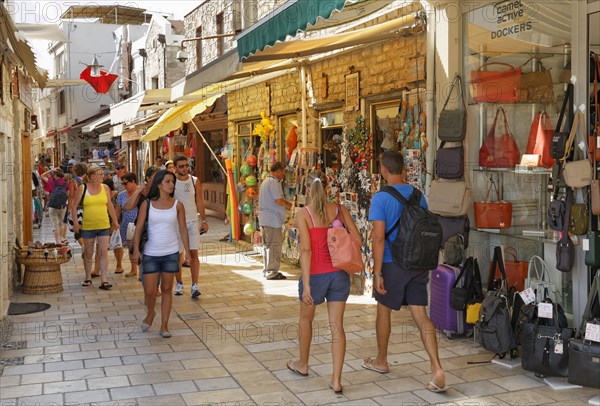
(59, 197)
(419, 238)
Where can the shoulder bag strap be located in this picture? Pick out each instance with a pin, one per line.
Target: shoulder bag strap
(593, 295)
(496, 262)
(477, 279)
(569, 202)
(466, 267)
(82, 195)
(456, 83)
(566, 102)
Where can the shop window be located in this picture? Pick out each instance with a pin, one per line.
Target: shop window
(212, 170)
(155, 82)
(220, 31)
(247, 143)
(386, 124)
(331, 138)
(62, 103)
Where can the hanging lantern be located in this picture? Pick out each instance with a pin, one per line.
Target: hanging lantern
(250, 180)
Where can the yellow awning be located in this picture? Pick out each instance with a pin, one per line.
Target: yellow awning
(174, 118)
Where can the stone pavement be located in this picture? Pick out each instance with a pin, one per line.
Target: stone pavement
(230, 347)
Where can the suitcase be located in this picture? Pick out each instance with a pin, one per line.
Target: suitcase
(444, 317)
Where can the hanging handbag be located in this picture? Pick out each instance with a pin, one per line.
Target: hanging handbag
(592, 256)
(584, 355)
(565, 250)
(449, 198)
(344, 248)
(459, 295)
(515, 272)
(545, 348)
(578, 173)
(454, 250)
(578, 221)
(496, 86)
(496, 214)
(450, 162)
(452, 124)
(536, 87)
(452, 226)
(538, 279)
(474, 305)
(558, 149)
(540, 139)
(499, 152)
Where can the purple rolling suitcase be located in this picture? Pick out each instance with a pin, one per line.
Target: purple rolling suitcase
(444, 317)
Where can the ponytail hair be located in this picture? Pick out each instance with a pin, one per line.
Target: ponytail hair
(317, 181)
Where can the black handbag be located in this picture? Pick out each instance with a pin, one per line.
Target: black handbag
(559, 138)
(460, 296)
(452, 124)
(545, 347)
(556, 214)
(565, 250)
(452, 226)
(584, 355)
(144, 235)
(450, 162)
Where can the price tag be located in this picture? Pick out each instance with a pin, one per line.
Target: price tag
(592, 332)
(585, 244)
(528, 296)
(545, 310)
(558, 347)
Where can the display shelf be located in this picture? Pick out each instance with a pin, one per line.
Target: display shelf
(530, 170)
(517, 232)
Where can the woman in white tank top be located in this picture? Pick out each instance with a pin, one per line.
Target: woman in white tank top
(166, 219)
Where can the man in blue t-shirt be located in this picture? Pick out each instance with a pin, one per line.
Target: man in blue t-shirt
(393, 285)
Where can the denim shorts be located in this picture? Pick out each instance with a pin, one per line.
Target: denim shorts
(333, 286)
(166, 263)
(404, 288)
(104, 232)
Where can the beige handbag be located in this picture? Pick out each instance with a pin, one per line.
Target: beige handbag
(449, 198)
(576, 173)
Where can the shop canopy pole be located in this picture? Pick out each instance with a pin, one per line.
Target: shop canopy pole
(304, 115)
(209, 148)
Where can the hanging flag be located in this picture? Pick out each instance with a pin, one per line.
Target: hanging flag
(101, 83)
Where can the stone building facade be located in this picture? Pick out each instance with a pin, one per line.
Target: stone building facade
(162, 68)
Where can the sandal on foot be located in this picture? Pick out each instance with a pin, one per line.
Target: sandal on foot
(368, 364)
(337, 392)
(292, 368)
(432, 387)
(117, 272)
(165, 334)
(87, 282)
(105, 286)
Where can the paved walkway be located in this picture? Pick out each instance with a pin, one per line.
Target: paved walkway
(231, 347)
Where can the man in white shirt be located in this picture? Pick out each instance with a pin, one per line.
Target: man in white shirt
(188, 190)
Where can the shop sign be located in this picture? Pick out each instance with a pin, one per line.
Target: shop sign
(514, 19)
(63, 138)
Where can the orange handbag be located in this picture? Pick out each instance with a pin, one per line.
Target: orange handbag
(496, 86)
(496, 214)
(516, 271)
(344, 248)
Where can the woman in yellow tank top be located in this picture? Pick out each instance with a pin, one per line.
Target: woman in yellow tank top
(97, 207)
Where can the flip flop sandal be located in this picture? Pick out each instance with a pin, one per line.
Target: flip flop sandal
(436, 389)
(87, 282)
(118, 272)
(292, 368)
(105, 286)
(369, 365)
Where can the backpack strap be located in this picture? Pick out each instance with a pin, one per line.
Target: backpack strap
(498, 261)
(391, 190)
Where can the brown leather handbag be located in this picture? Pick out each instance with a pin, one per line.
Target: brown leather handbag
(496, 214)
(536, 87)
(499, 152)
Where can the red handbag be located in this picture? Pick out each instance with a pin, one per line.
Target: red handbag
(493, 214)
(540, 139)
(499, 152)
(496, 86)
(516, 271)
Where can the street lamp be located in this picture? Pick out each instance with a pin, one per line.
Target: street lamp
(182, 55)
(95, 71)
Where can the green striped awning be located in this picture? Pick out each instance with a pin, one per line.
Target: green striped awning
(293, 16)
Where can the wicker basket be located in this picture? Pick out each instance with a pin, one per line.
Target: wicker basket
(42, 270)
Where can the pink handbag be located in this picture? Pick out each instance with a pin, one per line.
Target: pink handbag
(343, 247)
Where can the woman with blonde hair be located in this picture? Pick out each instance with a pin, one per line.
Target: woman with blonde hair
(320, 281)
(96, 225)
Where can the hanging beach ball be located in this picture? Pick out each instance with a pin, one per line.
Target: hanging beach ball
(247, 208)
(248, 228)
(251, 160)
(245, 170)
(250, 180)
(251, 192)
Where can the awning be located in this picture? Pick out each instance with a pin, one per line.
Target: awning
(22, 50)
(88, 128)
(128, 109)
(47, 32)
(65, 82)
(287, 50)
(174, 118)
(116, 131)
(290, 18)
(105, 137)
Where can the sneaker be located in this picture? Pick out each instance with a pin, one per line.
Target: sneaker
(195, 291)
(179, 289)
